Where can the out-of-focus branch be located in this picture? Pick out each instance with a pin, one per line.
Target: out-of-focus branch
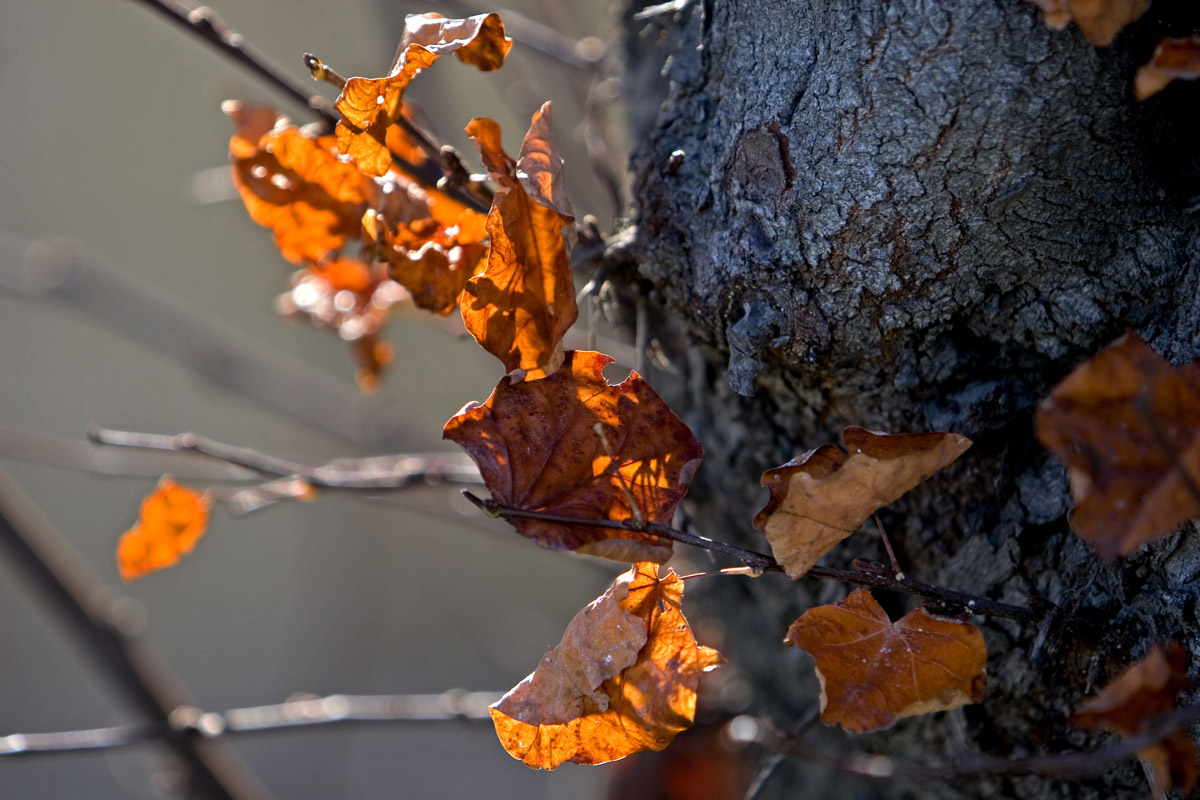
(376, 472)
(297, 712)
(56, 270)
(45, 558)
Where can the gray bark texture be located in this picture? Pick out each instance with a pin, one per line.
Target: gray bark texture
(911, 216)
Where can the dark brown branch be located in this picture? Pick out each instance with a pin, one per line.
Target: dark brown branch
(761, 561)
(373, 473)
(42, 556)
(307, 711)
(56, 270)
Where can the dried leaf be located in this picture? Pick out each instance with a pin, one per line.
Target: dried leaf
(874, 672)
(622, 680)
(1132, 703)
(354, 300)
(172, 520)
(536, 447)
(1127, 424)
(1173, 58)
(823, 496)
(522, 304)
(1099, 20)
(294, 183)
(370, 106)
(432, 243)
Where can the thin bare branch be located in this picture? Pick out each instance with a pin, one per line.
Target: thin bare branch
(373, 473)
(46, 559)
(56, 270)
(971, 604)
(302, 711)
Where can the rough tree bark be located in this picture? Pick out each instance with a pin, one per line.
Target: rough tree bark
(912, 216)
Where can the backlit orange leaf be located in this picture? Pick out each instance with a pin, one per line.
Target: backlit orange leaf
(622, 680)
(294, 183)
(536, 447)
(431, 242)
(874, 672)
(522, 304)
(1127, 425)
(1173, 58)
(823, 496)
(353, 299)
(1099, 20)
(1135, 701)
(172, 520)
(370, 106)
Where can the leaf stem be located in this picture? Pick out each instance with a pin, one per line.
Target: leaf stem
(765, 563)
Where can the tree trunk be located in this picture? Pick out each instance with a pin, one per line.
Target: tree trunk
(912, 216)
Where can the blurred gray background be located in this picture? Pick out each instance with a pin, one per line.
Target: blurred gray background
(107, 116)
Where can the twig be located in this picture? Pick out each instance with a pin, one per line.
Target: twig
(765, 563)
(202, 21)
(56, 270)
(887, 544)
(542, 39)
(47, 560)
(454, 175)
(301, 712)
(1058, 765)
(376, 472)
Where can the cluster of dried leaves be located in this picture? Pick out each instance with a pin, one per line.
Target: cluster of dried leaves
(577, 463)
(1101, 20)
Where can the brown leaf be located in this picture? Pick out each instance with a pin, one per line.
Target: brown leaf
(1131, 705)
(370, 106)
(874, 672)
(294, 183)
(622, 680)
(1127, 424)
(823, 496)
(523, 302)
(172, 520)
(1173, 58)
(432, 243)
(1099, 20)
(536, 447)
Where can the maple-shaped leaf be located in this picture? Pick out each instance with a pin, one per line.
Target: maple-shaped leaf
(823, 496)
(353, 299)
(432, 243)
(1127, 425)
(521, 305)
(1172, 59)
(622, 680)
(537, 448)
(370, 106)
(294, 183)
(1099, 20)
(172, 520)
(1133, 702)
(874, 672)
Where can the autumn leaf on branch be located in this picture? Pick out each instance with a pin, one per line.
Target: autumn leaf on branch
(172, 520)
(1099, 20)
(371, 106)
(622, 680)
(293, 182)
(823, 496)
(432, 243)
(1172, 59)
(1131, 704)
(1127, 425)
(521, 305)
(536, 445)
(874, 672)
